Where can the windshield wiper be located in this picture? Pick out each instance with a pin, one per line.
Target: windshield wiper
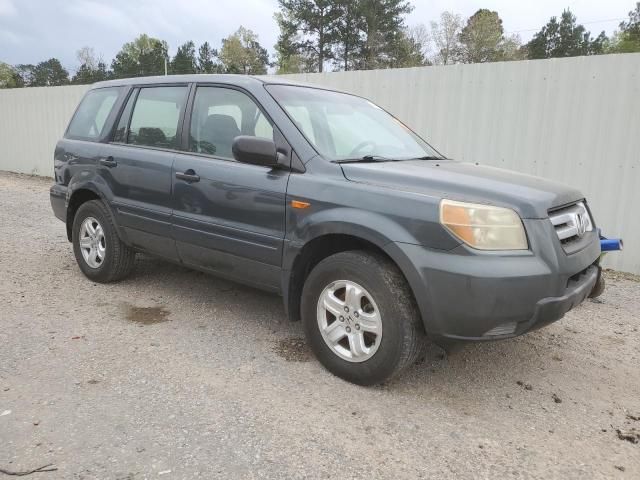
(366, 158)
(429, 157)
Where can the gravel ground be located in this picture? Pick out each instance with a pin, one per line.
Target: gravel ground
(174, 374)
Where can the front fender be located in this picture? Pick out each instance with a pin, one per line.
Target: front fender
(368, 225)
(387, 236)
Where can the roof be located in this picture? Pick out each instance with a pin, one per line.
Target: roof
(231, 79)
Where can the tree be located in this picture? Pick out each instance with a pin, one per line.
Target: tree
(627, 39)
(92, 69)
(565, 38)
(481, 37)
(347, 34)
(144, 56)
(86, 75)
(24, 74)
(407, 51)
(49, 73)
(9, 77)
(294, 63)
(242, 53)
(307, 29)
(511, 48)
(206, 62)
(383, 28)
(445, 36)
(419, 34)
(184, 61)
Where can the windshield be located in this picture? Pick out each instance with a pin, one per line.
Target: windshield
(345, 127)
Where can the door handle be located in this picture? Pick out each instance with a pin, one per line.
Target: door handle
(188, 176)
(108, 162)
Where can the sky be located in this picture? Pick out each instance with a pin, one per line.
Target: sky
(35, 30)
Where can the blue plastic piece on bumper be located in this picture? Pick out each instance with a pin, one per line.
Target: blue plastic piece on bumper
(610, 244)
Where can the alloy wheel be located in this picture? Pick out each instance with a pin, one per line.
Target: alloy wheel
(92, 242)
(349, 321)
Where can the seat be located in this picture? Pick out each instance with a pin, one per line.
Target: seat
(152, 137)
(217, 135)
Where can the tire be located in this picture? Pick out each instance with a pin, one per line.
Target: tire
(117, 259)
(391, 305)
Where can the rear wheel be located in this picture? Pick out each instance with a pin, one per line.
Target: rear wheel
(360, 317)
(99, 252)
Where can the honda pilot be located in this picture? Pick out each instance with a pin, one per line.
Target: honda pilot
(374, 240)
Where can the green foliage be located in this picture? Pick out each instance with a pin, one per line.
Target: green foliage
(308, 30)
(185, 61)
(91, 69)
(627, 39)
(49, 73)
(482, 40)
(87, 74)
(481, 37)
(361, 34)
(242, 53)
(206, 62)
(9, 77)
(407, 51)
(24, 74)
(348, 41)
(564, 38)
(383, 32)
(144, 56)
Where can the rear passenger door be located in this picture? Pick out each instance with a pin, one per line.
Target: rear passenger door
(229, 217)
(80, 148)
(137, 165)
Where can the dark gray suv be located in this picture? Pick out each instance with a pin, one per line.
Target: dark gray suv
(374, 240)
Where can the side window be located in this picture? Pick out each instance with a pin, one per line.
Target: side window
(122, 131)
(89, 120)
(155, 118)
(219, 116)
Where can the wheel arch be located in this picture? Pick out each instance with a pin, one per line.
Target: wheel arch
(303, 257)
(81, 191)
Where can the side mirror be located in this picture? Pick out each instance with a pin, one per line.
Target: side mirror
(254, 150)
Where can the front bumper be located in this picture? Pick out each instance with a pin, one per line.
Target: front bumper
(469, 295)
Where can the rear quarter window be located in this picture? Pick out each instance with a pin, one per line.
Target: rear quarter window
(90, 118)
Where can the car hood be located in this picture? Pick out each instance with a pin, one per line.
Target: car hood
(530, 196)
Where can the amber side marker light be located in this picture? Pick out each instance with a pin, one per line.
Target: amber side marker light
(299, 204)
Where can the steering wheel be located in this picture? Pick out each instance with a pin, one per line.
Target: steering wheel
(362, 145)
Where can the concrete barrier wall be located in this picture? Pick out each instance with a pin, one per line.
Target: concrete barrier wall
(574, 120)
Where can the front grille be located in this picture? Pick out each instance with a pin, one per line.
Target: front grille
(571, 223)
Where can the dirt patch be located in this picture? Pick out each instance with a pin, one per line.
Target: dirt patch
(147, 315)
(615, 275)
(293, 349)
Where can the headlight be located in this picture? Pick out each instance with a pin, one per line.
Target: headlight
(483, 226)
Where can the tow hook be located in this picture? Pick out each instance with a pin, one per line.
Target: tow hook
(606, 245)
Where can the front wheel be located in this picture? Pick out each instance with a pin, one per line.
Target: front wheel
(360, 317)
